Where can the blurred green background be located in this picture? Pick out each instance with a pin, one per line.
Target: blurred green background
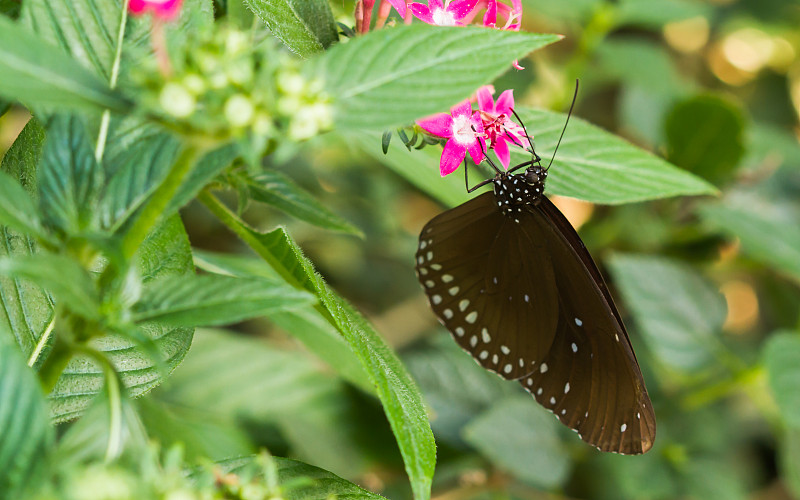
(708, 286)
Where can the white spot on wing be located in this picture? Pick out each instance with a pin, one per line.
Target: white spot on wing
(485, 335)
(473, 341)
(552, 401)
(574, 347)
(484, 354)
(452, 291)
(495, 359)
(543, 368)
(578, 322)
(623, 427)
(436, 267)
(448, 313)
(447, 278)
(508, 368)
(459, 331)
(462, 306)
(436, 299)
(566, 388)
(471, 317)
(505, 349)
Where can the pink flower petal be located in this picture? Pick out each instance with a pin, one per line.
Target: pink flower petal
(502, 152)
(400, 6)
(440, 125)
(505, 103)
(462, 108)
(452, 156)
(422, 12)
(485, 101)
(461, 8)
(516, 63)
(476, 150)
(490, 18)
(164, 9)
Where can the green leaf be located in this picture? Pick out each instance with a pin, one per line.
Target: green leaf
(398, 393)
(520, 437)
(17, 209)
(390, 77)
(230, 376)
(597, 166)
(69, 177)
(655, 13)
(69, 283)
(206, 169)
(767, 229)
(22, 158)
(25, 432)
(782, 361)
(39, 74)
(322, 483)
(165, 252)
(655, 71)
(274, 188)
(305, 324)
(10, 8)
(89, 30)
(214, 300)
(27, 310)
(790, 460)
(678, 313)
(305, 26)
(455, 387)
(712, 478)
(705, 135)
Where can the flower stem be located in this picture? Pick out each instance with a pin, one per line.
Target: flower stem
(159, 39)
(383, 14)
(55, 363)
(154, 208)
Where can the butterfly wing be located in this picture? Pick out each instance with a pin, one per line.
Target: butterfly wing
(592, 383)
(477, 271)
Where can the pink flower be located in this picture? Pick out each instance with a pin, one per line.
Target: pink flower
(498, 127)
(400, 6)
(163, 9)
(449, 14)
(464, 132)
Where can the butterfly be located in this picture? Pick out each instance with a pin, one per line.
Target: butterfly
(509, 277)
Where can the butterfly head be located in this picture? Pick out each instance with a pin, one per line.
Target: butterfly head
(515, 191)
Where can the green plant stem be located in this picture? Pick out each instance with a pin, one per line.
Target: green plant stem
(154, 208)
(709, 394)
(114, 388)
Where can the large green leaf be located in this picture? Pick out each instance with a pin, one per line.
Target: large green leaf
(274, 188)
(305, 26)
(39, 74)
(393, 76)
(301, 481)
(70, 180)
(597, 166)
(165, 252)
(89, 30)
(27, 309)
(305, 324)
(399, 395)
(63, 277)
(17, 210)
(782, 360)
(230, 376)
(713, 146)
(790, 460)
(520, 437)
(214, 300)
(25, 431)
(768, 229)
(679, 314)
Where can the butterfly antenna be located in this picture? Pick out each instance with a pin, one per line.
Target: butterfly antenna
(569, 113)
(524, 130)
(486, 155)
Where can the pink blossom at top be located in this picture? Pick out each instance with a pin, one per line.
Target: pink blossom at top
(498, 126)
(464, 132)
(513, 16)
(400, 6)
(451, 13)
(162, 9)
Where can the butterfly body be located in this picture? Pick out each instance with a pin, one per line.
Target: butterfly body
(511, 280)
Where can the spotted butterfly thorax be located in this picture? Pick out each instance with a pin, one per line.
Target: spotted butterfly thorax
(511, 280)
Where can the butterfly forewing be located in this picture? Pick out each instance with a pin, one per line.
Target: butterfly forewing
(464, 257)
(523, 296)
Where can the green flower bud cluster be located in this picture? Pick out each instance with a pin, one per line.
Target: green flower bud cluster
(226, 86)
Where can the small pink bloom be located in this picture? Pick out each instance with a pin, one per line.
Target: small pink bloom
(400, 6)
(464, 132)
(498, 126)
(451, 13)
(163, 9)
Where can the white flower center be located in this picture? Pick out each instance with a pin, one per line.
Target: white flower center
(462, 130)
(443, 18)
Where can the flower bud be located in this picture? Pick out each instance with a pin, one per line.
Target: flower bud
(176, 100)
(238, 110)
